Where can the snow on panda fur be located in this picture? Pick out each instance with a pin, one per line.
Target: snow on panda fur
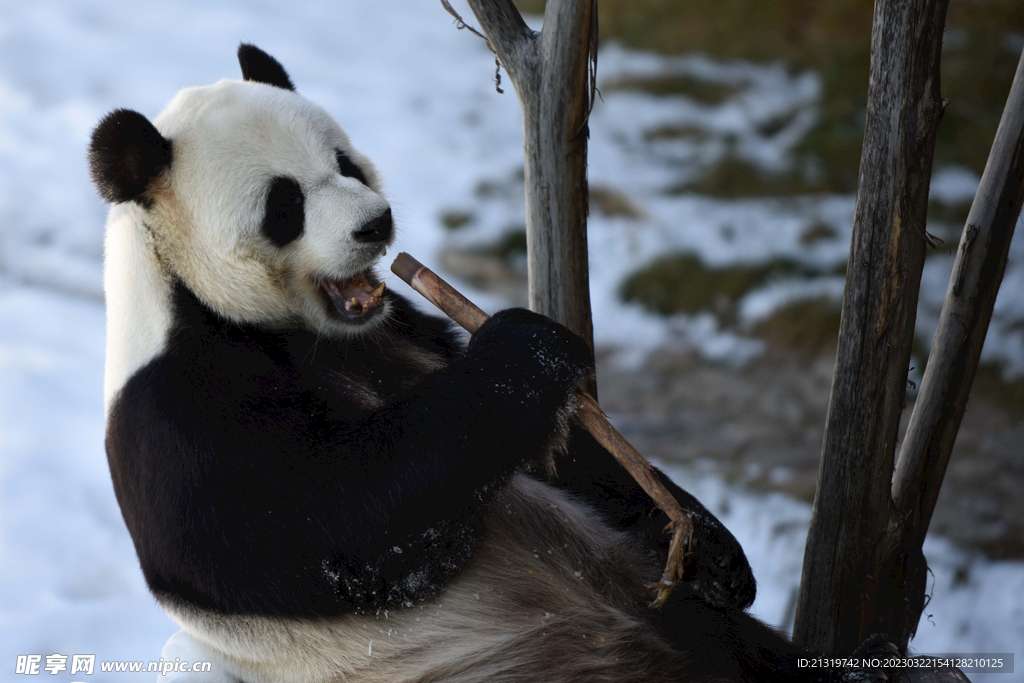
(323, 484)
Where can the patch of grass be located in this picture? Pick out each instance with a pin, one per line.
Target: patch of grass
(676, 132)
(454, 219)
(695, 88)
(990, 386)
(732, 178)
(486, 189)
(509, 187)
(818, 232)
(511, 245)
(612, 202)
(834, 147)
(833, 38)
(683, 283)
(810, 326)
(977, 69)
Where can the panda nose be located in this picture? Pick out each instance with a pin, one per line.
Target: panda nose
(377, 230)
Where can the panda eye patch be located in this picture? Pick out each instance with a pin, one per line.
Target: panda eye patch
(349, 169)
(285, 214)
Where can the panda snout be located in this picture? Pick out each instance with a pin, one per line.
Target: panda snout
(379, 229)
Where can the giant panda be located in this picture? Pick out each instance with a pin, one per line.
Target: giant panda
(323, 483)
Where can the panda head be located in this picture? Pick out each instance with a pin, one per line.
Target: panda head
(254, 198)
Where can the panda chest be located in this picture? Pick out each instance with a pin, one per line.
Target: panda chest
(365, 382)
(363, 391)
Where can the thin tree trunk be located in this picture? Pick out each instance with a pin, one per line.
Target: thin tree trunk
(963, 323)
(551, 72)
(858, 578)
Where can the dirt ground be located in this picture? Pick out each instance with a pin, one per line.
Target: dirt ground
(762, 427)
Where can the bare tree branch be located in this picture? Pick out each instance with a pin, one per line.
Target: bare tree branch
(461, 23)
(508, 37)
(963, 323)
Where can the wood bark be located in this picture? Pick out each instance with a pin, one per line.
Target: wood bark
(552, 75)
(963, 323)
(858, 579)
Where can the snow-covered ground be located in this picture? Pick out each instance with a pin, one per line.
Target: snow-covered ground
(418, 97)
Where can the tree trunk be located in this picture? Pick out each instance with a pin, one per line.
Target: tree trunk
(552, 75)
(858, 577)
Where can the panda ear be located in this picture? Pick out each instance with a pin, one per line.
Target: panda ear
(126, 154)
(259, 67)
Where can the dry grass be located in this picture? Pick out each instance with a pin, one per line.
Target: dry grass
(810, 327)
(683, 283)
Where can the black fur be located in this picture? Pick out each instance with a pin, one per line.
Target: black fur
(347, 167)
(259, 67)
(284, 214)
(126, 154)
(253, 482)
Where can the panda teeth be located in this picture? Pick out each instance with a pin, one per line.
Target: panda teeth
(353, 296)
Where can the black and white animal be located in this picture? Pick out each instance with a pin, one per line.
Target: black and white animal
(324, 484)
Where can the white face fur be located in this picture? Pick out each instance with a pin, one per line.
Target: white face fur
(230, 141)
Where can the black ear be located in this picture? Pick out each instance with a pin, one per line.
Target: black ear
(126, 153)
(259, 67)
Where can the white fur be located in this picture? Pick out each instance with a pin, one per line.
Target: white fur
(182, 647)
(137, 296)
(229, 141)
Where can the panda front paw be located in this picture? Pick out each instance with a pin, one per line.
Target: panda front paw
(535, 350)
(722, 579)
(715, 567)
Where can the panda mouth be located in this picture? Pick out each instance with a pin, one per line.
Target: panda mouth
(354, 297)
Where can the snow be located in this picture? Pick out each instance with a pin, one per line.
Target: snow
(418, 97)
(975, 604)
(954, 185)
